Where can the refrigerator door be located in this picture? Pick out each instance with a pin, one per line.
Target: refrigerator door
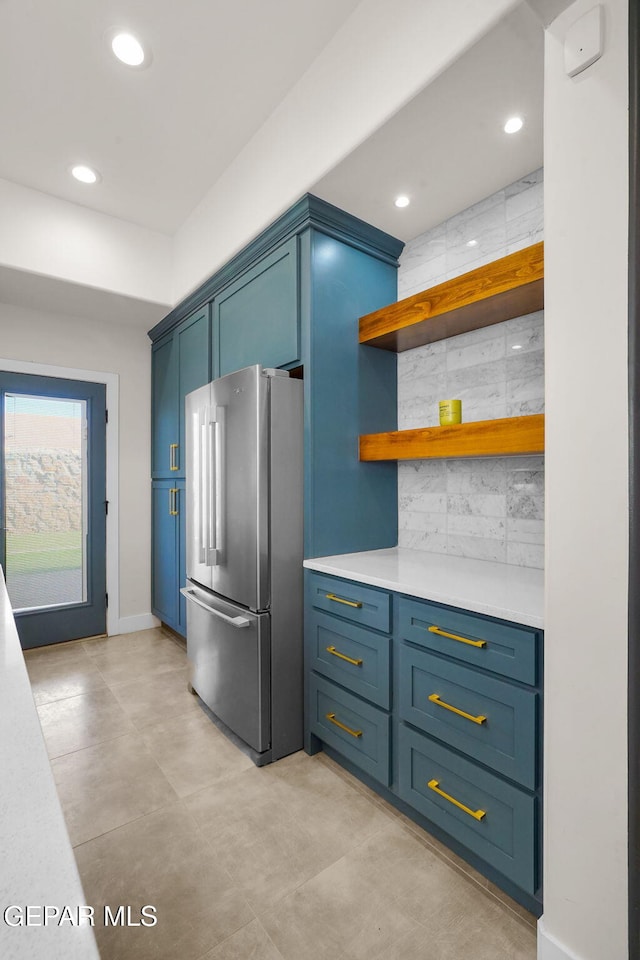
(200, 517)
(238, 523)
(228, 649)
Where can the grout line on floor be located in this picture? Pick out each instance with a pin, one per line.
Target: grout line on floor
(149, 813)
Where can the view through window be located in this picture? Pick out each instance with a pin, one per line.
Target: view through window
(45, 455)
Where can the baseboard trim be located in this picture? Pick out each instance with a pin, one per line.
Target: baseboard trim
(549, 948)
(142, 621)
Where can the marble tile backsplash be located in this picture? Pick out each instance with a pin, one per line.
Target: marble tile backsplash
(489, 509)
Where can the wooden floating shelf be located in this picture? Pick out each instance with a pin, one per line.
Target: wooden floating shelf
(510, 287)
(484, 438)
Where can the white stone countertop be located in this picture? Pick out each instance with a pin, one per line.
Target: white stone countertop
(37, 866)
(496, 589)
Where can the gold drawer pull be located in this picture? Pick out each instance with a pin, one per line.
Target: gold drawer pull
(454, 636)
(354, 733)
(440, 703)
(343, 656)
(476, 814)
(173, 457)
(349, 603)
(173, 502)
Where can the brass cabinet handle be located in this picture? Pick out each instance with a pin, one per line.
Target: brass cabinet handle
(332, 718)
(476, 814)
(173, 456)
(454, 636)
(173, 502)
(343, 656)
(349, 603)
(434, 698)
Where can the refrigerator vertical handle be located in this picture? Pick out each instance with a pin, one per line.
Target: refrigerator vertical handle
(215, 487)
(220, 474)
(211, 553)
(202, 488)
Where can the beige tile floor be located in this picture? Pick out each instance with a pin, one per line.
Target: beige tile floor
(294, 861)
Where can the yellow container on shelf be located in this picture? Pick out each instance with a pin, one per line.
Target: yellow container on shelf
(450, 412)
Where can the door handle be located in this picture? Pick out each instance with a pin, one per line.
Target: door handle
(233, 621)
(173, 502)
(173, 456)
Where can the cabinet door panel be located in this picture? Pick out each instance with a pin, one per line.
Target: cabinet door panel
(504, 648)
(345, 598)
(164, 391)
(193, 369)
(180, 501)
(502, 735)
(357, 730)
(164, 550)
(488, 815)
(356, 658)
(256, 318)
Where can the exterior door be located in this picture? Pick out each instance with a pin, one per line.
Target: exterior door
(52, 506)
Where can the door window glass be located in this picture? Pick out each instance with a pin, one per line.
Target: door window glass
(45, 456)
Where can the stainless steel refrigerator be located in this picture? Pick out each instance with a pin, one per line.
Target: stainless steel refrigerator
(244, 556)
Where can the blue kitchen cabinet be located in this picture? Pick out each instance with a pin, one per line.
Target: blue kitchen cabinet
(164, 406)
(167, 552)
(291, 299)
(438, 709)
(179, 364)
(256, 318)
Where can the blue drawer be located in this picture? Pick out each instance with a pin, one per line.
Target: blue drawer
(346, 598)
(352, 656)
(494, 645)
(504, 833)
(499, 728)
(357, 730)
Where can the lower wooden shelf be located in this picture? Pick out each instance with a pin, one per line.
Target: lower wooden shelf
(484, 438)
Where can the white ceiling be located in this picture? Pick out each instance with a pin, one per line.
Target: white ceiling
(447, 149)
(160, 136)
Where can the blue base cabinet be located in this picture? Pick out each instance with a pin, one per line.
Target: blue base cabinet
(168, 553)
(438, 709)
(291, 299)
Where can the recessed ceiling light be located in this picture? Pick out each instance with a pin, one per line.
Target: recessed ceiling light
(402, 201)
(85, 174)
(472, 243)
(513, 124)
(128, 49)
(517, 346)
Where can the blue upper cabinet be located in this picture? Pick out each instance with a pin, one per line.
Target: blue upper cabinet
(180, 364)
(255, 319)
(164, 405)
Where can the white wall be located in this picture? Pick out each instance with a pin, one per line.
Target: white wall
(586, 211)
(383, 56)
(54, 238)
(64, 341)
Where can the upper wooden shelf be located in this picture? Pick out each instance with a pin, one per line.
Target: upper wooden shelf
(507, 288)
(481, 438)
